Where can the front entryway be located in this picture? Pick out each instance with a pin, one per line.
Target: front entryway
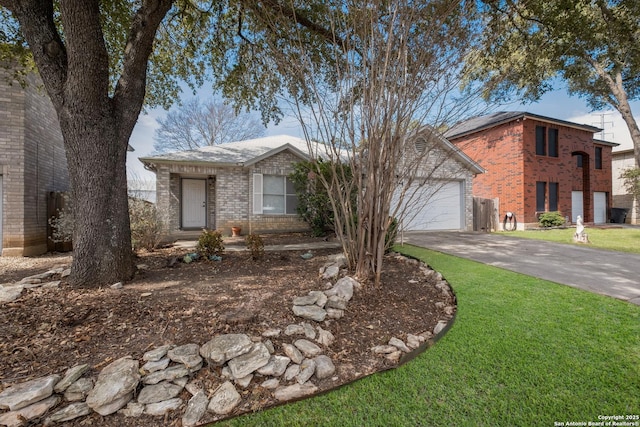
(194, 203)
(577, 206)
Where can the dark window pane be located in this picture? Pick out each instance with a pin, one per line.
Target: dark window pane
(579, 160)
(553, 196)
(292, 204)
(553, 142)
(541, 189)
(598, 157)
(541, 143)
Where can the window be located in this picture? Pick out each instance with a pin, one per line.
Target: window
(273, 194)
(579, 160)
(553, 142)
(541, 192)
(553, 196)
(598, 157)
(541, 143)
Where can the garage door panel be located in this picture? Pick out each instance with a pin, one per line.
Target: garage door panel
(436, 207)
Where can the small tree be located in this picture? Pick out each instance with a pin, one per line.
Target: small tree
(631, 180)
(396, 65)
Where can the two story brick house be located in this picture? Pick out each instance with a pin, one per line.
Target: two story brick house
(538, 164)
(32, 164)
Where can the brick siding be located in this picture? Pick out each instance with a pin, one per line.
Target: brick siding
(508, 154)
(32, 163)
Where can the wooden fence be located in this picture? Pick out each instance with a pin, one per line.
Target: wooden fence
(485, 214)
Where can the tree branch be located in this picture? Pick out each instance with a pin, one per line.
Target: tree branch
(49, 53)
(130, 89)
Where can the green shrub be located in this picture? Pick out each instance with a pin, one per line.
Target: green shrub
(210, 243)
(551, 219)
(255, 244)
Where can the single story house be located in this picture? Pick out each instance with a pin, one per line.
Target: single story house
(32, 165)
(245, 184)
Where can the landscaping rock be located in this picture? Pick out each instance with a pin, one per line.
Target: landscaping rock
(70, 377)
(321, 298)
(343, 288)
(35, 410)
(325, 337)
(79, 390)
(225, 347)
(291, 372)
(169, 374)
(157, 365)
(133, 410)
(307, 348)
(384, 349)
(294, 391)
(330, 272)
(158, 392)
(270, 384)
(305, 300)
(114, 387)
(161, 408)
(10, 293)
(333, 313)
(247, 363)
(395, 356)
(310, 312)
(276, 366)
(399, 344)
(439, 327)
(336, 302)
(187, 354)
(244, 381)
(156, 354)
(294, 330)
(196, 408)
(272, 333)
(324, 367)
(414, 341)
(307, 369)
(23, 395)
(71, 412)
(309, 331)
(224, 399)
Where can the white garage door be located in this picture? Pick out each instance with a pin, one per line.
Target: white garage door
(599, 207)
(576, 206)
(438, 207)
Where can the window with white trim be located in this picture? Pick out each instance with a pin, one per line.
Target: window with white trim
(274, 195)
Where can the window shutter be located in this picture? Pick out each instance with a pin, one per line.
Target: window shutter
(257, 194)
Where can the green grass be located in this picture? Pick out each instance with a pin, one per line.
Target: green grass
(522, 352)
(617, 239)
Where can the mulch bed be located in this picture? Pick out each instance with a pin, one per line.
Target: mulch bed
(48, 330)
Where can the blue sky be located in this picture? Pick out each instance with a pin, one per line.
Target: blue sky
(557, 104)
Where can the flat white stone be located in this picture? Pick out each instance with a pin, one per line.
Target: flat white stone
(294, 391)
(159, 392)
(114, 387)
(70, 377)
(196, 408)
(276, 366)
(187, 354)
(399, 344)
(168, 374)
(225, 347)
(307, 369)
(35, 410)
(156, 365)
(293, 353)
(270, 384)
(291, 372)
(78, 390)
(161, 408)
(247, 363)
(308, 348)
(156, 354)
(70, 412)
(224, 399)
(24, 394)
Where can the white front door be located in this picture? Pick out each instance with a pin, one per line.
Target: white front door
(599, 207)
(194, 203)
(577, 207)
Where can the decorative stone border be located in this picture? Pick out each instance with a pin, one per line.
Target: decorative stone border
(167, 370)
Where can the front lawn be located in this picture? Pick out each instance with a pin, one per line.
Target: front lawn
(522, 352)
(617, 239)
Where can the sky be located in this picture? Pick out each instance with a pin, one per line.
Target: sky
(557, 105)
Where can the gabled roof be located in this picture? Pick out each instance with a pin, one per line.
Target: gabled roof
(240, 153)
(467, 161)
(477, 124)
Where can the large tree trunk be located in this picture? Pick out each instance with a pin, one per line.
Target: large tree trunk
(97, 170)
(96, 125)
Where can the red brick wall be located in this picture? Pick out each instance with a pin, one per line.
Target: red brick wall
(508, 153)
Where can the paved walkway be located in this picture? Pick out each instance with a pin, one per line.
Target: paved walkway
(615, 274)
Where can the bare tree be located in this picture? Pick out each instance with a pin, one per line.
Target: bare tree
(197, 124)
(397, 68)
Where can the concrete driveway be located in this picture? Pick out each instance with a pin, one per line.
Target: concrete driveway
(615, 274)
